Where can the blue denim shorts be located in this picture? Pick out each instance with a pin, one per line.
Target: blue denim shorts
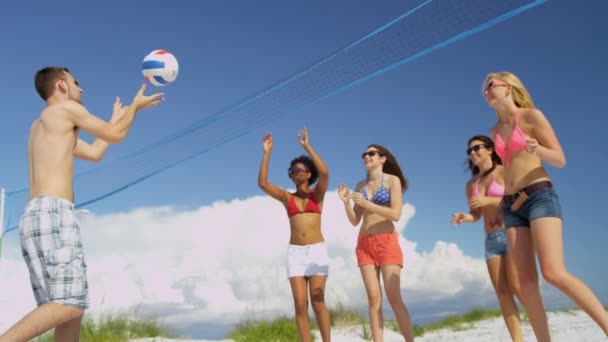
(540, 203)
(496, 244)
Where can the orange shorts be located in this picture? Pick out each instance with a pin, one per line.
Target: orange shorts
(379, 249)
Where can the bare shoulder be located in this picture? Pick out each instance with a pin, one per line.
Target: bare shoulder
(34, 124)
(471, 182)
(59, 110)
(532, 121)
(392, 179)
(493, 130)
(55, 116)
(499, 173)
(360, 185)
(531, 115)
(72, 107)
(394, 183)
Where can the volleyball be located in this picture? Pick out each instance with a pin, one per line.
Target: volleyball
(160, 67)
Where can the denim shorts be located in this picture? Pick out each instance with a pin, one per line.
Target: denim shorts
(496, 244)
(540, 203)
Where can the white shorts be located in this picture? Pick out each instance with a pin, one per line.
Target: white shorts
(307, 260)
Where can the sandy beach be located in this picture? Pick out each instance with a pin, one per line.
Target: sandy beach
(566, 326)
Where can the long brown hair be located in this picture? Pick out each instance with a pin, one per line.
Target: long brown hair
(391, 166)
(489, 144)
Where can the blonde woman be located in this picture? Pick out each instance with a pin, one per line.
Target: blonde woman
(378, 200)
(524, 139)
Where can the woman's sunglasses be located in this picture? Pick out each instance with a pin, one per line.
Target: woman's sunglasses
(370, 154)
(475, 148)
(491, 85)
(296, 170)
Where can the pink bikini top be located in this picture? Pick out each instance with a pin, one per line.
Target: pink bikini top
(494, 190)
(517, 142)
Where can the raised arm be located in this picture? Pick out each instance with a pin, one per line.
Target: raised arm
(269, 188)
(95, 151)
(111, 132)
(323, 181)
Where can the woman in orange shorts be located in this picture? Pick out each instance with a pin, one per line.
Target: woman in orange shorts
(378, 200)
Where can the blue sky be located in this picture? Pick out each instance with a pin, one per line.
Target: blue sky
(423, 111)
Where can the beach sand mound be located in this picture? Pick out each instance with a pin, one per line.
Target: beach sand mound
(566, 326)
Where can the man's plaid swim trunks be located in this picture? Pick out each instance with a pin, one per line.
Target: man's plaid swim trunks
(52, 248)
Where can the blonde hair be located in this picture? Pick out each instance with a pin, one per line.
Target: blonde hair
(521, 96)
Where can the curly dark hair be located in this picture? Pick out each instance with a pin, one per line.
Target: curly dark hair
(304, 159)
(391, 166)
(489, 144)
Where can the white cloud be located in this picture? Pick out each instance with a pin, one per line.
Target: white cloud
(225, 262)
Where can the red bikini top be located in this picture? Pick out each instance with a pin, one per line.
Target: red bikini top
(311, 206)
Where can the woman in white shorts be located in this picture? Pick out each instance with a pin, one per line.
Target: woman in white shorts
(307, 258)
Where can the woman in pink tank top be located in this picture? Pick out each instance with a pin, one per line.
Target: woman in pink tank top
(530, 207)
(484, 192)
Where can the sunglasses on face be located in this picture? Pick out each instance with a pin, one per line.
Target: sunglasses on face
(296, 170)
(492, 84)
(475, 148)
(370, 154)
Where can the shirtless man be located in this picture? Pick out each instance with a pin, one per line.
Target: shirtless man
(50, 234)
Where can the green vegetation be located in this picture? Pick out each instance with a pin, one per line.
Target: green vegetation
(343, 317)
(278, 330)
(394, 326)
(460, 322)
(284, 328)
(116, 329)
(122, 328)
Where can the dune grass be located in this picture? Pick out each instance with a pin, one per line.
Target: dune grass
(116, 329)
(343, 317)
(394, 326)
(284, 328)
(122, 328)
(464, 321)
(278, 330)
